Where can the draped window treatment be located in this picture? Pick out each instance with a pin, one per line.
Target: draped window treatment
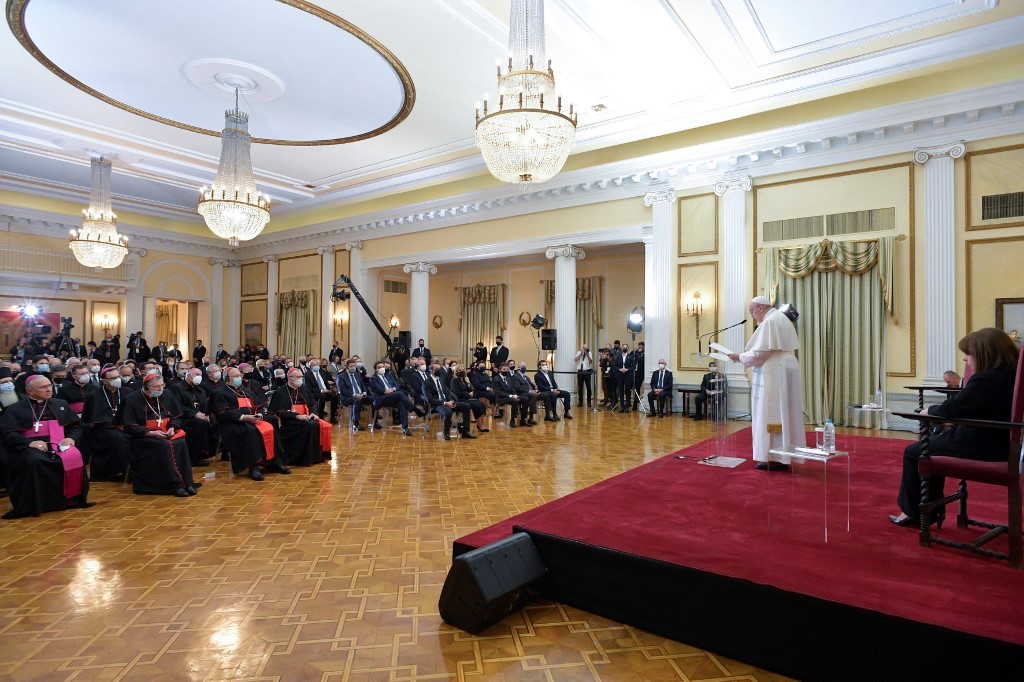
(483, 315)
(589, 304)
(298, 319)
(167, 323)
(843, 290)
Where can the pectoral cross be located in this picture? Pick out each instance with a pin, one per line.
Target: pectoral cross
(159, 423)
(38, 424)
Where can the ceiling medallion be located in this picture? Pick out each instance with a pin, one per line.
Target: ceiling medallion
(16, 12)
(527, 138)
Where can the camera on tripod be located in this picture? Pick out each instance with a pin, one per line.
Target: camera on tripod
(66, 324)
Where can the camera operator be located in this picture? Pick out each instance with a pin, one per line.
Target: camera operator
(138, 349)
(584, 370)
(109, 350)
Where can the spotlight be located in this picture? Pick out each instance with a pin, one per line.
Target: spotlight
(789, 311)
(635, 321)
(538, 321)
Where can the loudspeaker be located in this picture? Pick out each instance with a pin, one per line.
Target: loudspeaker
(487, 584)
(549, 339)
(405, 338)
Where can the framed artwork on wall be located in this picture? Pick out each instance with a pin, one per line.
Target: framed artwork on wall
(254, 333)
(1010, 317)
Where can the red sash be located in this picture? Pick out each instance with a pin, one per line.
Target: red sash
(265, 429)
(325, 428)
(71, 458)
(163, 426)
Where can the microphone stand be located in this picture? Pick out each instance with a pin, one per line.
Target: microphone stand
(714, 333)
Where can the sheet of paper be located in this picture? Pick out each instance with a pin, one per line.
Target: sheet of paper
(720, 356)
(719, 347)
(725, 462)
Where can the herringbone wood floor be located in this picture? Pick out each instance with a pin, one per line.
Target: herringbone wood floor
(332, 573)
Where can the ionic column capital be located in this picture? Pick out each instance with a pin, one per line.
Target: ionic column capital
(358, 244)
(565, 251)
(270, 259)
(419, 266)
(325, 250)
(954, 150)
(723, 186)
(659, 194)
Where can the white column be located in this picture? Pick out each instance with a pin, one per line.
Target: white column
(326, 305)
(148, 320)
(216, 305)
(233, 295)
(939, 257)
(357, 322)
(133, 314)
(735, 285)
(419, 300)
(657, 276)
(565, 258)
(271, 262)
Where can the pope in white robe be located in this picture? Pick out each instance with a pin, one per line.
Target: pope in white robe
(776, 393)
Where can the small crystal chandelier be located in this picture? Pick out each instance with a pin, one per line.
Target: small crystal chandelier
(97, 244)
(232, 208)
(527, 138)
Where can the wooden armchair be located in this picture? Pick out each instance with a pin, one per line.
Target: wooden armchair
(1006, 474)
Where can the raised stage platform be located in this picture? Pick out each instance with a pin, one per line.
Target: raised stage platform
(685, 550)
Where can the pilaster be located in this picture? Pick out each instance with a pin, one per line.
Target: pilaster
(419, 300)
(272, 284)
(565, 258)
(736, 284)
(658, 275)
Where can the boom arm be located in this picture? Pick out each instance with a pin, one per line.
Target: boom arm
(336, 295)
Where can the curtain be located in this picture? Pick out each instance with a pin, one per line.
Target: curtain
(167, 323)
(298, 319)
(843, 291)
(193, 326)
(589, 304)
(483, 315)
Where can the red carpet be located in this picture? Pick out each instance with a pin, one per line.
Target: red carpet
(714, 519)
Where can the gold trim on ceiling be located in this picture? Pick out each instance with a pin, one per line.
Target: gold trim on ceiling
(16, 21)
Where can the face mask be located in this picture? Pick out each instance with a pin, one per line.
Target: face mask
(290, 365)
(125, 378)
(712, 367)
(279, 375)
(543, 368)
(423, 368)
(316, 368)
(152, 394)
(42, 367)
(523, 370)
(197, 379)
(421, 345)
(182, 372)
(497, 343)
(380, 371)
(95, 369)
(215, 376)
(297, 383)
(504, 371)
(7, 388)
(360, 365)
(116, 383)
(661, 365)
(82, 379)
(236, 382)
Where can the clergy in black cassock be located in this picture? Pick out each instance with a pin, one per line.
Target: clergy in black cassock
(44, 469)
(243, 430)
(160, 461)
(300, 426)
(195, 416)
(109, 446)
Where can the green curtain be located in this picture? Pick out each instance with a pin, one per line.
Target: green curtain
(298, 318)
(483, 315)
(842, 290)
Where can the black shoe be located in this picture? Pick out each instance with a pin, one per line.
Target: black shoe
(467, 434)
(255, 474)
(85, 505)
(549, 419)
(447, 436)
(532, 422)
(406, 431)
(421, 413)
(911, 522)
(358, 427)
(512, 424)
(191, 491)
(375, 425)
(278, 467)
(197, 485)
(483, 430)
(181, 492)
(772, 466)
(566, 416)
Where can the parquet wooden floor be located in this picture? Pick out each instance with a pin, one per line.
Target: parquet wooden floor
(332, 573)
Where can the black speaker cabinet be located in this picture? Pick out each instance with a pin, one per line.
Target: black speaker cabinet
(405, 338)
(549, 339)
(487, 584)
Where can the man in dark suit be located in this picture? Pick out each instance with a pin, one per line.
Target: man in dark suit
(387, 395)
(353, 392)
(706, 387)
(546, 383)
(480, 352)
(638, 371)
(524, 386)
(336, 355)
(221, 354)
(505, 390)
(661, 389)
(421, 351)
(499, 354)
(197, 353)
(625, 366)
(443, 402)
(318, 384)
(416, 382)
(138, 349)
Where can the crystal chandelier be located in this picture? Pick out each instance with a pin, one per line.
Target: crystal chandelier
(527, 138)
(232, 208)
(97, 244)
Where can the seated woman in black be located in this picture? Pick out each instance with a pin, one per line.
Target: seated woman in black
(988, 395)
(463, 392)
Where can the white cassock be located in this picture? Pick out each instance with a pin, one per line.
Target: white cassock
(776, 393)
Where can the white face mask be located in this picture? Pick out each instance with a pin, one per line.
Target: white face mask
(7, 388)
(297, 383)
(95, 369)
(215, 376)
(82, 379)
(125, 379)
(197, 379)
(712, 367)
(661, 365)
(543, 368)
(116, 383)
(380, 371)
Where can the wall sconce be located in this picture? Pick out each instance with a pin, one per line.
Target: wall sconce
(340, 318)
(106, 323)
(694, 308)
(395, 322)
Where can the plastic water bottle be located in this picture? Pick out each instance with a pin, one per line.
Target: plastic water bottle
(829, 440)
(878, 396)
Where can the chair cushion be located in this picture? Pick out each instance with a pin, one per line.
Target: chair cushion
(971, 469)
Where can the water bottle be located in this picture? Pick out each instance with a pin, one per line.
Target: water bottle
(878, 397)
(829, 440)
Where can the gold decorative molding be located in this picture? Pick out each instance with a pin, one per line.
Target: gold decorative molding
(437, 321)
(912, 219)
(679, 226)
(968, 269)
(713, 264)
(967, 189)
(16, 21)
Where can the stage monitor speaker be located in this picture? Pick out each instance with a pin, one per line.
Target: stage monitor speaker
(549, 339)
(487, 584)
(405, 338)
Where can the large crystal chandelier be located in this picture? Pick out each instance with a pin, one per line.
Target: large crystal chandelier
(527, 138)
(232, 208)
(97, 244)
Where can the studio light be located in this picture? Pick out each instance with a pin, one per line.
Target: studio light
(635, 321)
(789, 311)
(538, 321)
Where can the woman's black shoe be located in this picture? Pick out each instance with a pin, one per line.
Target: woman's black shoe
(909, 521)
